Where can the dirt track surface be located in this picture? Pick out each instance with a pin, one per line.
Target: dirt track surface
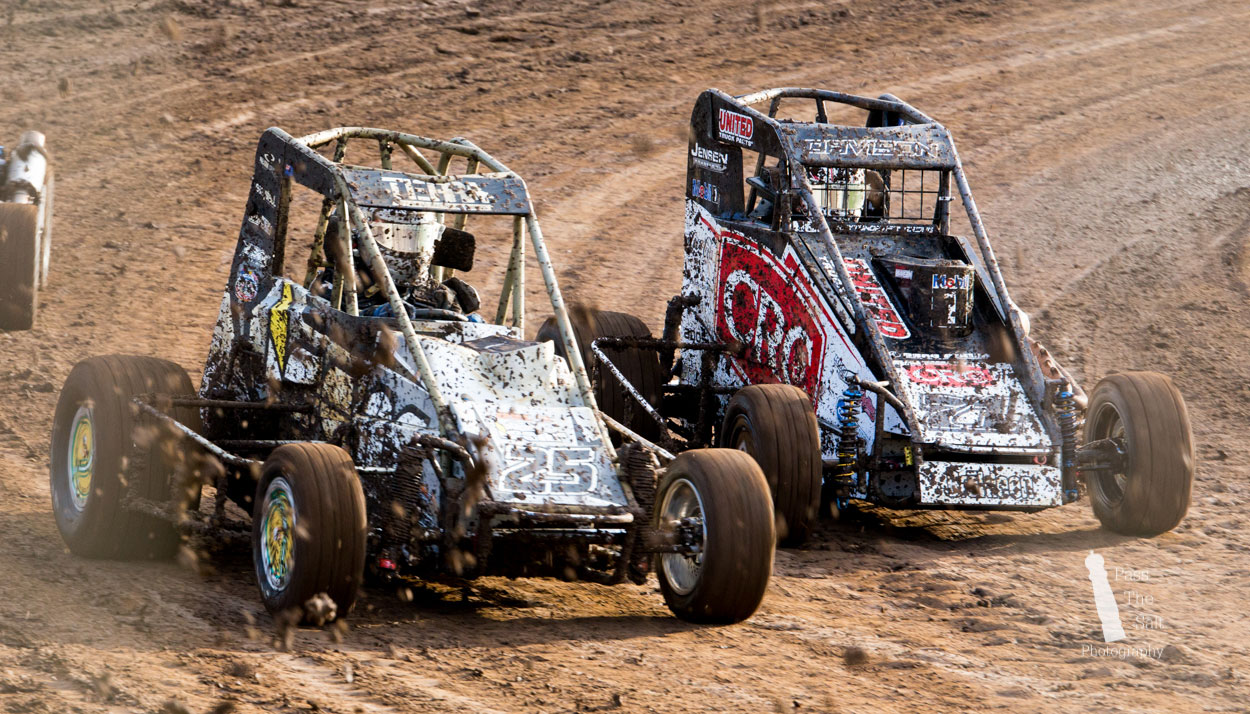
(1105, 142)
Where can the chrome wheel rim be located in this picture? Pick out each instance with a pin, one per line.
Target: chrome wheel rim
(277, 553)
(682, 571)
(81, 457)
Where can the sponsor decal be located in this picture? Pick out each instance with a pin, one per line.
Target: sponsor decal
(264, 194)
(267, 161)
(770, 305)
(875, 300)
(949, 282)
(735, 127)
(709, 159)
(280, 326)
(261, 223)
(246, 286)
(921, 229)
(704, 190)
(952, 483)
(807, 224)
(407, 192)
(871, 148)
(254, 255)
(948, 374)
(946, 356)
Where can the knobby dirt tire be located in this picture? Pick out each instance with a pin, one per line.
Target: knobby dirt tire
(20, 260)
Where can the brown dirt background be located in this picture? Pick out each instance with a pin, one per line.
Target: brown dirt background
(1106, 143)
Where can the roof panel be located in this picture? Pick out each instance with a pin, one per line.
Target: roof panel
(477, 193)
(912, 146)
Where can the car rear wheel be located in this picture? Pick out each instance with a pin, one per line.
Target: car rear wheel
(775, 425)
(105, 449)
(721, 493)
(308, 532)
(641, 367)
(19, 265)
(1145, 415)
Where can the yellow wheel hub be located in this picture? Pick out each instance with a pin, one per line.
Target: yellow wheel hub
(81, 456)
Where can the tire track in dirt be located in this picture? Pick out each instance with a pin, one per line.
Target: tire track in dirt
(1173, 186)
(324, 687)
(906, 588)
(590, 211)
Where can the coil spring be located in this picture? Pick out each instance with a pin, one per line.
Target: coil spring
(848, 428)
(1065, 408)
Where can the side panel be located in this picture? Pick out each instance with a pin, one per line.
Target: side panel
(767, 300)
(255, 258)
(713, 166)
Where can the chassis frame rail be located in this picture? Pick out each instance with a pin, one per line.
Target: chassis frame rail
(623, 526)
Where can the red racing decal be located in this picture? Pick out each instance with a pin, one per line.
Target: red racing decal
(875, 300)
(938, 374)
(736, 127)
(773, 309)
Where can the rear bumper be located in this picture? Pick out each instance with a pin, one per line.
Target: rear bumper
(974, 485)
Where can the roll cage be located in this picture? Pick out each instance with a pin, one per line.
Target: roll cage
(282, 160)
(896, 137)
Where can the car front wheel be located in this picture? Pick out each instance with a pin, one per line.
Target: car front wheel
(308, 532)
(1143, 414)
(720, 498)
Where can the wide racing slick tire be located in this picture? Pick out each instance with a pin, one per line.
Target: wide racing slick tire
(104, 448)
(19, 265)
(776, 425)
(725, 490)
(641, 367)
(1146, 413)
(308, 532)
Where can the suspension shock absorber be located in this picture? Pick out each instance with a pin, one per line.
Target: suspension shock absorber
(1065, 410)
(848, 433)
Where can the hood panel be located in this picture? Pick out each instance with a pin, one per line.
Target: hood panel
(970, 404)
(542, 455)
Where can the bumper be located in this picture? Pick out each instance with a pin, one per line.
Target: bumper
(972, 485)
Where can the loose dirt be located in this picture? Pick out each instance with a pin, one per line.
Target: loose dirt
(1106, 145)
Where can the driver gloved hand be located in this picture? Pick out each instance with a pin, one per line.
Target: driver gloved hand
(466, 296)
